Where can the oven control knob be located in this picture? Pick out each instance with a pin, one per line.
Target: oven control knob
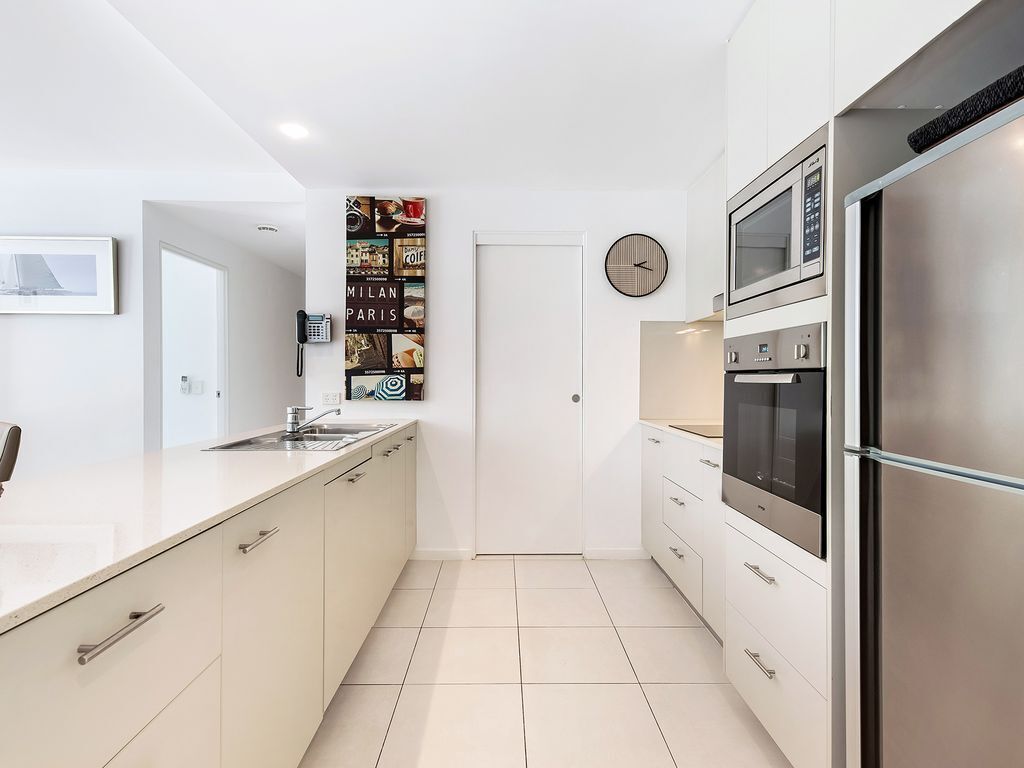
(734, 357)
(801, 352)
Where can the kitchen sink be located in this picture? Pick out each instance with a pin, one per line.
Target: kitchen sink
(320, 437)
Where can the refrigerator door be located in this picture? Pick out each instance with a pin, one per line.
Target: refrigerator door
(941, 619)
(944, 276)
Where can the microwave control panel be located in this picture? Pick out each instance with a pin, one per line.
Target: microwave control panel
(784, 349)
(814, 184)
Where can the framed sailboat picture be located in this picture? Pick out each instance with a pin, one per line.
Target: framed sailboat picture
(58, 275)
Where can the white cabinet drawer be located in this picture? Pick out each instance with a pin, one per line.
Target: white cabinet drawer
(683, 566)
(681, 511)
(186, 733)
(682, 463)
(55, 711)
(784, 605)
(790, 709)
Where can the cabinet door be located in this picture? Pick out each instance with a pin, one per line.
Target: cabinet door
(185, 733)
(746, 142)
(272, 661)
(410, 490)
(391, 452)
(355, 572)
(652, 458)
(799, 81)
(713, 553)
(705, 241)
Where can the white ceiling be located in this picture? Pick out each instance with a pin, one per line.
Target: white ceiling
(565, 94)
(236, 223)
(81, 88)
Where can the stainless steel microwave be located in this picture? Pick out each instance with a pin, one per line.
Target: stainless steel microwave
(777, 232)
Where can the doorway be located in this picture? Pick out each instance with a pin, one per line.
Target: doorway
(193, 344)
(529, 388)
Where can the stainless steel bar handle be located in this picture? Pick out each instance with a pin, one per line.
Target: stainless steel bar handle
(387, 453)
(396, 447)
(767, 378)
(675, 551)
(410, 439)
(357, 478)
(756, 658)
(264, 535)
(137, 619)
(679, 502)
(652, 440)
(709, 463)
(756, 570)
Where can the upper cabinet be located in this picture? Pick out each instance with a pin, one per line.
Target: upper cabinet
(873, 38)
(705, 241)
(778, 91)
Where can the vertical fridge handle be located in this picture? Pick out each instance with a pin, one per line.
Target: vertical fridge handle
(852, 396)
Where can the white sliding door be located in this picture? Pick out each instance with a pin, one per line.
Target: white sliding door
(529, 381)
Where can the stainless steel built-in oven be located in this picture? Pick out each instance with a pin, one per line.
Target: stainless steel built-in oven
(773, 460)
(777, 233)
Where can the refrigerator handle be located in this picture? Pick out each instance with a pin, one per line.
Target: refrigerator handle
(852, 395)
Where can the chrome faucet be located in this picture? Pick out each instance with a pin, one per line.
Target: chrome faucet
(291, 423)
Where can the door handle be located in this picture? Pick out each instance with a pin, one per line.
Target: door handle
(678, 502)
(357, 478)
(575, 398)
(137, 619)
(767, 378)
(652, 440)
(709, 463)
(675, 551)
(264, 535)
(756, 570)
(756, 658)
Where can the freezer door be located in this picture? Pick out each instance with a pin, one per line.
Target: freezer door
(945, 664)
(948, 363)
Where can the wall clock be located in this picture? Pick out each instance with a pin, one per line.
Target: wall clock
(636, 265)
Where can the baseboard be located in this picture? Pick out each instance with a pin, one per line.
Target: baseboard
(442, 554)
(623, 553)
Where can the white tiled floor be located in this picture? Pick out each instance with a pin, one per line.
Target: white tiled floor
(538, 662)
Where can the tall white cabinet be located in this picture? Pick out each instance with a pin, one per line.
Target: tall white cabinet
(705, 241)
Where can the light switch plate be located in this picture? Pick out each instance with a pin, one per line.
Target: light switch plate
(331, 398)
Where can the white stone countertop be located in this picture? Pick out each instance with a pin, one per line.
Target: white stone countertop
(665, 426)
(62, 533)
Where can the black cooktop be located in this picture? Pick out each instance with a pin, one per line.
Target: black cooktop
(704, 430)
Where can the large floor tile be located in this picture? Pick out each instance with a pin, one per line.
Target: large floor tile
(419, 574)
(456, 726)
(472, 608)
(561, 608)
(573, 655)
(649, 608)
(548, 574)
(622, 574)
(404, 608)
(476, 574)
(521, 558)
(709, 726)
(384, 657)
(466, 655)
(674, 654)
(591, 726)
(353, 728)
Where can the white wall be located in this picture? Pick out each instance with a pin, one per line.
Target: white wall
(681, 371)
(75, 383)
(611, 496)
(261, 305)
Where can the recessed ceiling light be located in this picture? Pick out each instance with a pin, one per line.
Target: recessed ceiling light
(294, 130)
(266, 228)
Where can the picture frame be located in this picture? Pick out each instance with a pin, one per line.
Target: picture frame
(58, 275)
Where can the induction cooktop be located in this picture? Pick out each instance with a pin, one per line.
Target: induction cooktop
(704, 430)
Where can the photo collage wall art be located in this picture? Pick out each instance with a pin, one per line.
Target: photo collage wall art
(385, 297)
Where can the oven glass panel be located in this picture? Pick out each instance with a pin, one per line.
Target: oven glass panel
(775, 437)
(764, 241)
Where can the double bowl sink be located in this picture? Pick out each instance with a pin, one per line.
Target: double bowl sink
(321, 437)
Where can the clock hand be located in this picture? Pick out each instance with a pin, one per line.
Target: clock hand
(640, 263)
(643, 267)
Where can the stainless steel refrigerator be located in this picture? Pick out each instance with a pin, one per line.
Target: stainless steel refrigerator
(934, 467)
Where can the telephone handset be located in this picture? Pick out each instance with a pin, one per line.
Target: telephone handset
(309, 329)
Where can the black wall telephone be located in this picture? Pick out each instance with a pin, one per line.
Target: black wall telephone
(309, 329)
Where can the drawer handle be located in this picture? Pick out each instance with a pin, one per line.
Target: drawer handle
(756, 570)
(396, 447)
(679, 502)
(709, 463)
(138, 618)
(652, 440)
(675, 551)
(387, 453)
(410, 439)
(264, 535)
(756, 658)
(357, 478)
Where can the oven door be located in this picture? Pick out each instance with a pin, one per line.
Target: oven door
(766, 239)
(773, 452)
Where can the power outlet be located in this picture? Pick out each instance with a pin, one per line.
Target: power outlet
(331, 398)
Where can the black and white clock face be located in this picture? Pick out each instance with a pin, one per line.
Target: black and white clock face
(636, 265)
